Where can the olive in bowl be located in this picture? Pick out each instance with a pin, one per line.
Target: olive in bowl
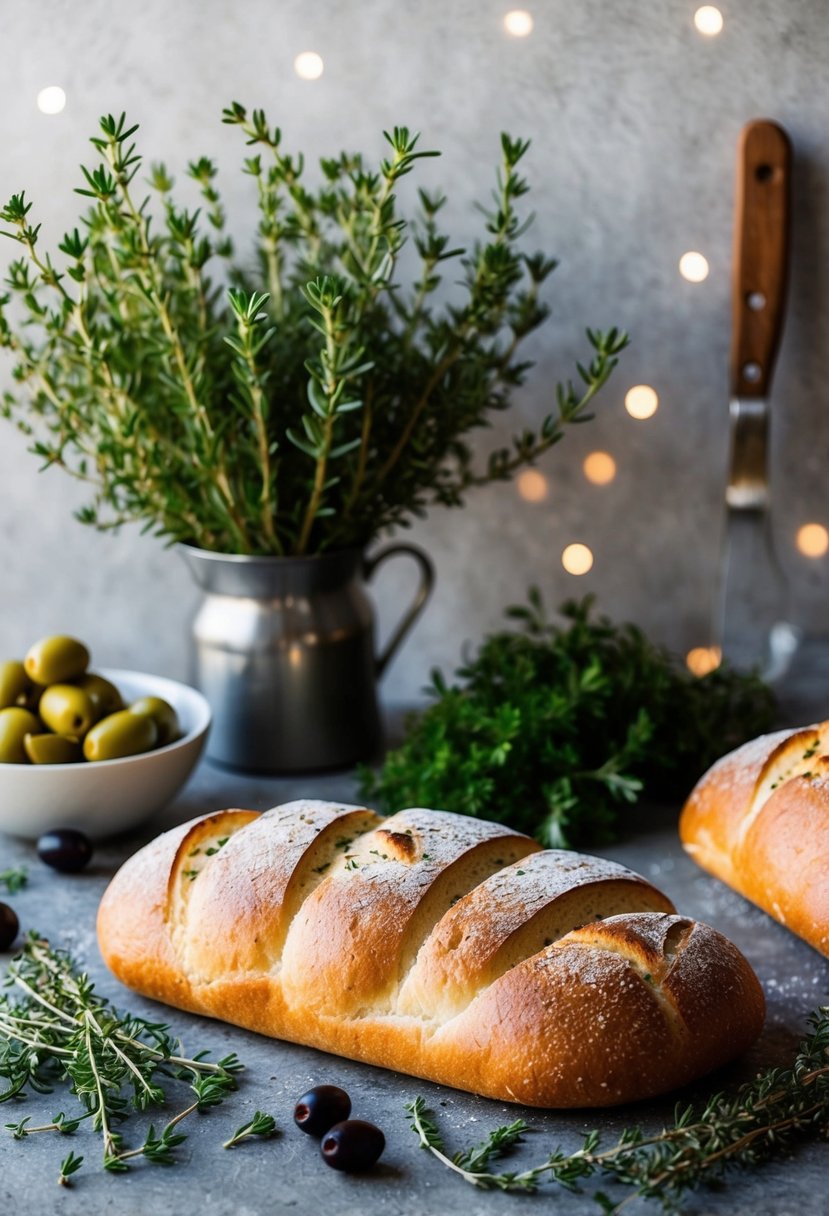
(121, 734)
(104, 695)
(56, 660)
(67, 710)
(109, 796)
(52, 749)
(15, 725)
(56, 711)
(162, 713)
(14, 683)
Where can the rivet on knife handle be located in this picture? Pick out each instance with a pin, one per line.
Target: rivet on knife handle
(761, 239)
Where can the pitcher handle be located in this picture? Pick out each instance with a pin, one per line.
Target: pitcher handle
(424, 590)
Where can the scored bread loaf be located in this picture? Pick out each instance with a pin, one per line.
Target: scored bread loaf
(433, 944)
(759, 820)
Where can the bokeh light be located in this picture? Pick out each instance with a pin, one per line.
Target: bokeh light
(599, 468)
(532, 485)
(708, 20)
(641, 401)
(693, 266)
(703, 659)
(308, 65)
(51, 100)
(518, 22)
(813, 540)
(577, 559)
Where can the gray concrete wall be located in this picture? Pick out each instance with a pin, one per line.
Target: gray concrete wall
(634, 118)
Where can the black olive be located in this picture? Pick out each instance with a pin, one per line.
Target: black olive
(352, 1146)
(9, 926)
(64, 849)
(321, 1108)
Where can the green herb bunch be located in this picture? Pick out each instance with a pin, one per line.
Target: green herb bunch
(318, 400)
(761, 1120)
(555, 728)
(56, 1030)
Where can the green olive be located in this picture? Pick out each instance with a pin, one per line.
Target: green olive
(56, 660)
(163, 715)
(15, 725)
(105, 696)
(52, 749)
(14, 683)
(67, 710)
(121, 734)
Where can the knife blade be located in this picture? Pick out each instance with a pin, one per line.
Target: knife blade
(753, 626)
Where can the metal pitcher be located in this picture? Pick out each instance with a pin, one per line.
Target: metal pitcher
(284, 653)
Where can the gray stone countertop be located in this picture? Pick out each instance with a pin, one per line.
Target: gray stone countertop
(286, 1174)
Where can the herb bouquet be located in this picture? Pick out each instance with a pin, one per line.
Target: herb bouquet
(290, 408)
(316, 401)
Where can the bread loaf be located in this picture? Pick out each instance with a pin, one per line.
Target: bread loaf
(433, 944)
(759, 820)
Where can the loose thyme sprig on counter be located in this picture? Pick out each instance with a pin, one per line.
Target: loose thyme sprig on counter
(55, 1029)
(14, 879)
(260, 1125)
(761, 1120)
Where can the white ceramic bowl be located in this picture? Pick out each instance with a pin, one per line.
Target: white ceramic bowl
(109, 796)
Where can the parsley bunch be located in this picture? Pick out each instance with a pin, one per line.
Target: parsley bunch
(554, 729)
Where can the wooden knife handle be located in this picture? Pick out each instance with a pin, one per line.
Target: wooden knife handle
(761, 248)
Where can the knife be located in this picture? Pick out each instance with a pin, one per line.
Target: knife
(752, 625)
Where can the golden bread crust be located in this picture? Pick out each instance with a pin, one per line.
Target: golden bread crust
(754, 820)
(434, 944)
(133, 914)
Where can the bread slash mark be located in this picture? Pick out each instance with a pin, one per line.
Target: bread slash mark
(401, 846)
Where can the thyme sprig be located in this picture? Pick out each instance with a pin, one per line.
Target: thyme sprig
(55, 1029)
(260, 1125)
(761, 1120)
(14, 879)
(324, 397)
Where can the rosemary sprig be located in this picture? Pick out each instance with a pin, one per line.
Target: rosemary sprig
(761, 1120)
(14, 879)
(55, 1029)
(260, 1125)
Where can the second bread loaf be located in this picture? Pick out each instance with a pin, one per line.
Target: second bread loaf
(759, 820)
